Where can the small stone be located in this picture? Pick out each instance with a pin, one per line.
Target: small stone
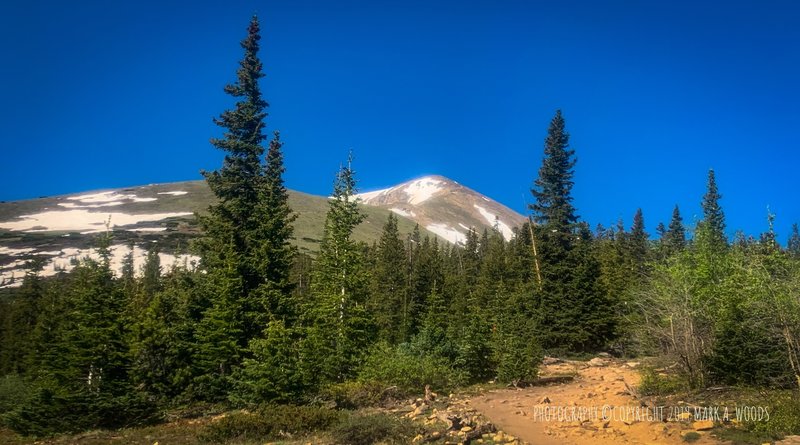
(597, 362)
(545, 400)
(703, 425)
(466, 429)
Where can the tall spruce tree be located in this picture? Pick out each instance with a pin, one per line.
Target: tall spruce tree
(793, 246)
(638, 242)
(713, 224)
(245, 250)
(676, 234)
(390, 294)
(552, 189)
(340, 329)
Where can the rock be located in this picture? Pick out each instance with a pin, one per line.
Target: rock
(632, 364)
(551, 361)
(435, 435)
(545, 400)
(597, 361)
(703, 425)
(604, 355)
(466, 429)
(500, 437)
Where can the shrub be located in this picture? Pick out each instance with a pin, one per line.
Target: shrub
(355, 394)
(691, 436)
(409, 372)
(374, 428)
(784, 416)
(14, 391)
(270, 422)
(53, 409)
(655, 384)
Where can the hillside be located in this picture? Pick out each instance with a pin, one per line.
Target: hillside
(63, 228)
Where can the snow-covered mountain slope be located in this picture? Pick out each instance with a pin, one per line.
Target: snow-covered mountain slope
(445, 207)
(61, 229)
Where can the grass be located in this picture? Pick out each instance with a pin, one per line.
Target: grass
(309, 226)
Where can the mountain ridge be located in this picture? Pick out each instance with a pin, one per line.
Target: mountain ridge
(63, 228)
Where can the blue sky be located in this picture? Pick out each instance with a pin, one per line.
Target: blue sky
(108, 94)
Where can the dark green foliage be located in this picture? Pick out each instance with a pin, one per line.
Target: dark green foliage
(793, 246)
(516, 349)
(245, 250)
(375, 428)
(273, 373)
(654, 384)
(713, 216)
(356, 394)
(675, 237)
(410, 372)
(390, 298)
(553, 207)
(784, 416)
(340, 329)
(14, 391)
(270, 422)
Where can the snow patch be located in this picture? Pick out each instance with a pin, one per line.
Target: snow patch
(367, 197)
(401, 212)
(9, 251)
(174, 193)
(72, 205)
(76, 220)
(443, 230)
(422, 190)
(66, 257)
(494, 220)
(104, 199)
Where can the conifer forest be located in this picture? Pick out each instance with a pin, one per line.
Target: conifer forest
(259, 327)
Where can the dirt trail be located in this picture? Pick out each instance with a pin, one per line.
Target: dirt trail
(597, 393)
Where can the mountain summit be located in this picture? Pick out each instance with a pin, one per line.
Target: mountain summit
(60, 229)
(444, 207)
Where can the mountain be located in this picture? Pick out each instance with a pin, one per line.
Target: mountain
(61, 229)
(445, 207)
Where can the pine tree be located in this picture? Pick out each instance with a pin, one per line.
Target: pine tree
(339, 328)
(245, 250)
(389, 301)
(713, 217)
(552, 189)
(793, 246)
(676, 235)
(638, 244)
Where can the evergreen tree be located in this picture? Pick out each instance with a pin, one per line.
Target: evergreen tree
(552, 189)
(676, 235)
(638, 244)
(793, 246)
(390, 294)
(713, 216)
(339, 328)
(245, 250)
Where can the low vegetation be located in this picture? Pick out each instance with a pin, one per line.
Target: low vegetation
(288, 343)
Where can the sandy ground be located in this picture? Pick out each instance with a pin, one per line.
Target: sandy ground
(592, 409)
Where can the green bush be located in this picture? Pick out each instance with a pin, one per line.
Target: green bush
(691, 436)
(655, 384)
(355, 394)
(375, 428)
(14, 391)
(270, 422)
(784, 416)
(408, 371)
(54, 409)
